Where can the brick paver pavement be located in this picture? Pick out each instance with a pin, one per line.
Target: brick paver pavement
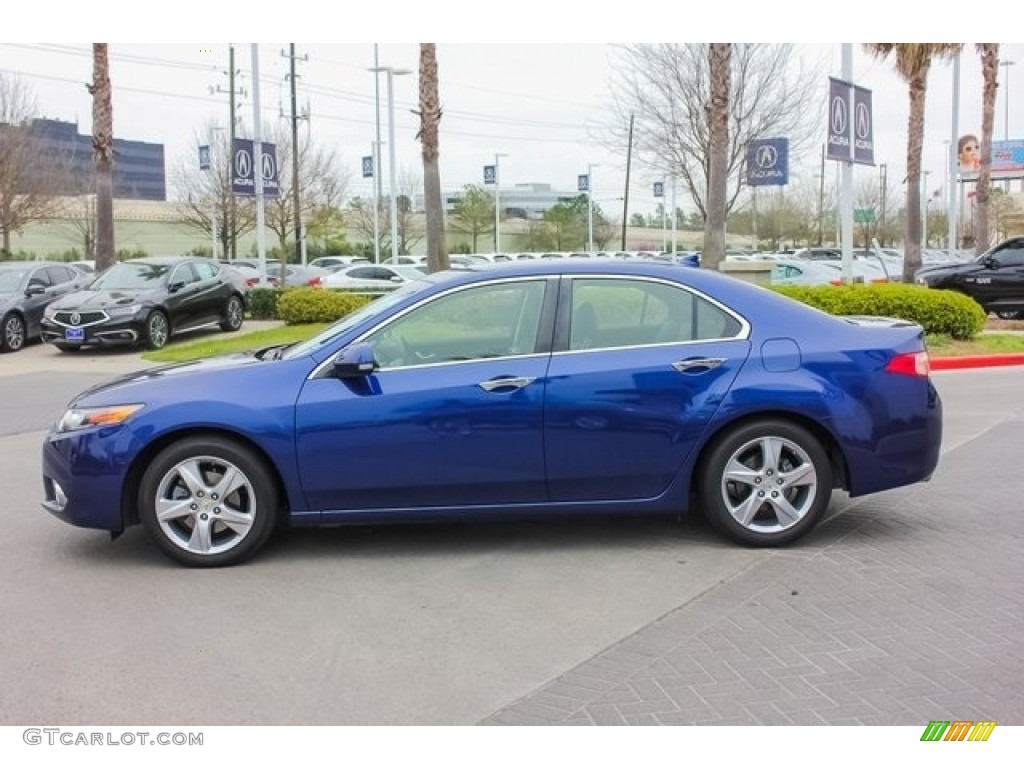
(906, 607)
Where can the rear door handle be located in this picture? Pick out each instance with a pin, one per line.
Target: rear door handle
(509, 382)
(697, 364)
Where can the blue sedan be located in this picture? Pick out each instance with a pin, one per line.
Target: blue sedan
(542, 387)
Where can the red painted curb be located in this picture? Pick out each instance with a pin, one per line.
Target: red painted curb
(975, 361)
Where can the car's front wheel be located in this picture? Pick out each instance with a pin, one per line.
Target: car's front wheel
(158, 330)
(1008, 315)
(208, 501)
(12, 335)
(233, 315)
(766, 483)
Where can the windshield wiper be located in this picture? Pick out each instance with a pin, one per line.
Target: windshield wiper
(272, 353)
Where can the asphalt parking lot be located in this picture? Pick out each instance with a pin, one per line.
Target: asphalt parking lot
(901, 608)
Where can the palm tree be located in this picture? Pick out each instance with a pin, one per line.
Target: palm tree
(720, 84)
(103, 152)
(430, 118)
(989, 67)
(912, 62)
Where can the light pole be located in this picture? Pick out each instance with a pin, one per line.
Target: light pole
(590, 206)
(497, 203)
(392, 71)
(1006, 106)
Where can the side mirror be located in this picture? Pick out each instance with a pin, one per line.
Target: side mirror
(35, 289)
(355, 361)
(176, 286)
(991, 262)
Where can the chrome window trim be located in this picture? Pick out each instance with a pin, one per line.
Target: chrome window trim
(742, 335)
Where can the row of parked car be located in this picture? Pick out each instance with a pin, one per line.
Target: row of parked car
(141, 301)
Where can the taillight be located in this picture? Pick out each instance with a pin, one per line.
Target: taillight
(314, 281)
(910, 364)
(251, 282)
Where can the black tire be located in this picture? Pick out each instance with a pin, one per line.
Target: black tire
(12, 333)
(742, 506)
(157, 331)
(234, 313)
(1009, 315)
(210, 529)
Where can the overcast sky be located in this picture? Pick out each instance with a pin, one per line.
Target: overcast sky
(539, 103)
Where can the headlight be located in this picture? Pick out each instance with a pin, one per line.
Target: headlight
(920, 281)
(49, 312)
(80, 418)
(128, 309)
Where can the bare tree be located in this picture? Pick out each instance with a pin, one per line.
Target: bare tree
(319, 170)
(206, 196)
(359, 215)
(30, 179)
(430, 118)
(989, 53)
(667, 85)
(103, 154)
(719, 65)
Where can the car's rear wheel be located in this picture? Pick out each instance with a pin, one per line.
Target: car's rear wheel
(208, 501)
(766, 483)
(12, 334)
(234, 312)
(157, 330)
(1009, 315)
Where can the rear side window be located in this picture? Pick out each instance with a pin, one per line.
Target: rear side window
(610, 313)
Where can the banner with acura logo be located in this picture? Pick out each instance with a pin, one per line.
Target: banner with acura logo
(850, 124)
(243, 168)
(767, 162)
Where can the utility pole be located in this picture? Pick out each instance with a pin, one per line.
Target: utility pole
(296, 209)
(882, 172)
(821, 199)
(231, 225)
(625, 196)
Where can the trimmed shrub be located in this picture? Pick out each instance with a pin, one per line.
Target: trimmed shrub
(937, 311)
(262, 303)
(316, 305)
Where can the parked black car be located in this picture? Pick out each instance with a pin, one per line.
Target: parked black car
(27, 288)
(146, 301)
(995, 279)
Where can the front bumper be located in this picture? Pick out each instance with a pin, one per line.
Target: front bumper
(116, 331)
(84, 475)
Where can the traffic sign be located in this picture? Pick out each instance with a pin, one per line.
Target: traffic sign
(863, 215)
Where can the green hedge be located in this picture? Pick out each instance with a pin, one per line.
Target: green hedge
(262, 303)
(316, 305)
(937, 311)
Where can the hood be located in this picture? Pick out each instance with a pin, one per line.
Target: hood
(83, 300)
(162, 372)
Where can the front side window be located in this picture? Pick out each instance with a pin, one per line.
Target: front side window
(488, 321)
(610, 313)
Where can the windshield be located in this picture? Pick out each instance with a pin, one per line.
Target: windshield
(10, 280)
(371, 310)
(128, 275)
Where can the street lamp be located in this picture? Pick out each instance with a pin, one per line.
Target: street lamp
(497, 204)
(392, 71)
(1006, 115)
(590, 206)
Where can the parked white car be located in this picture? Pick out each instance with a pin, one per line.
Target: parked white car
(372, 276)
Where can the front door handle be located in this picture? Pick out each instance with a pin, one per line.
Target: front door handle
(508, 382)
(697, 364)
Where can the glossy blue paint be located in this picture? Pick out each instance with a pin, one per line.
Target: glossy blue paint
(538, 427)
